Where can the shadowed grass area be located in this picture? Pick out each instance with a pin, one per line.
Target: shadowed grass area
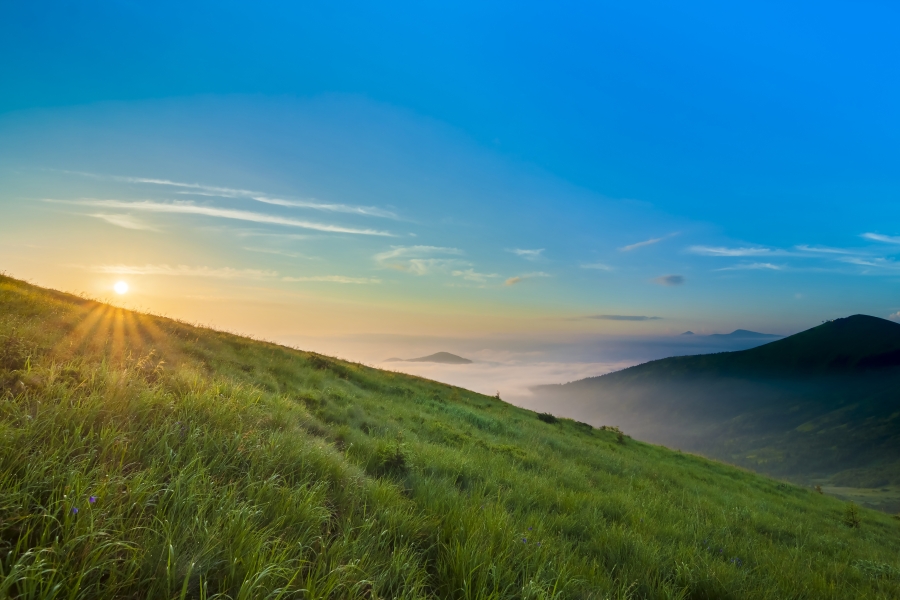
(818, 407)
(142, 457)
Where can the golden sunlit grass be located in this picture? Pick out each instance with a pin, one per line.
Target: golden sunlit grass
(141, 457)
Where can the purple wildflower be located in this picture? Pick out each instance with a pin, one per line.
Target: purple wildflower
(74, 510)
(92, 499)
(524, 540)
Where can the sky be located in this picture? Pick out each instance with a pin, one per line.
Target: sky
(556, 190)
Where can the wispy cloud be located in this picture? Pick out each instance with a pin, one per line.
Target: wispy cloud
(425, 266)
(879, 263)
(722, 251)
(524, 276)
(598, 266)
(798, 251)
(227, 192)
(126, 221)
(528, 254)
(187, 208)
(669, 280)
(864, 262)
(183, 271)
(649, 242)
(426, 260)
(414, 251)
(622, 318)
(368, 211)
(823, 250)
(473, 275)
(421, 260)
(877, 237)
(335, 279)
(753, 267)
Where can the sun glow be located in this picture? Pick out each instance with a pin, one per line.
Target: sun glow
(121, 287)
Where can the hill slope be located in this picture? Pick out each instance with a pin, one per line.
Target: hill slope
(818, 406)
(143, 457)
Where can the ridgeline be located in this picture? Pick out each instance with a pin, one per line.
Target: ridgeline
(821, 407)
(144, 457)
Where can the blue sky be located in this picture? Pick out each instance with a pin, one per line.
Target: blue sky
(421, 169)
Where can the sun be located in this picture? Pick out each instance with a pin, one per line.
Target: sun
(121, 287)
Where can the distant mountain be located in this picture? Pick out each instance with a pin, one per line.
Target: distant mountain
(438, 357)
(821, 404)
(737, 334)
(743, 333)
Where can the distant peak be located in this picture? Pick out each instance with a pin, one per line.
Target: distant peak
(745, 333)
(438, 357)
(688, 333)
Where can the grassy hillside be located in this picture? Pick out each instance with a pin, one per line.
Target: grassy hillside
(145, 458)
(822, 406)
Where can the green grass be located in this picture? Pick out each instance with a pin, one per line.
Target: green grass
(821, 406)
(223, 467)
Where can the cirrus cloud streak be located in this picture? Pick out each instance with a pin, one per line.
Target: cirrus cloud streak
(649, 242)
(124, 221)
(877, 237)
(189, 208)
(227, 192)
(753, 267)
(723, 251)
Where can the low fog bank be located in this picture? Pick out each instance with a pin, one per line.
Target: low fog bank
(512, 379)
(512, 365)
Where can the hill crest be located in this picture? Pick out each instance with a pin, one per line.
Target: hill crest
(852, 344)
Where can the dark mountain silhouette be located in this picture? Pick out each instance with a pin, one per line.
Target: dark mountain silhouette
(821, 404)
(438, 357)
(853, 344)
